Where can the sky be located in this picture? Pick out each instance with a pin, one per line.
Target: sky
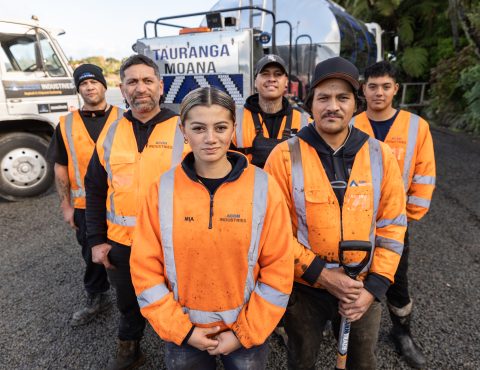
(102, 27)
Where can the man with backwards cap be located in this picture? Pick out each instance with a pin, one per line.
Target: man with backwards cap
(341, 186)
(70, 149)
(267, 117)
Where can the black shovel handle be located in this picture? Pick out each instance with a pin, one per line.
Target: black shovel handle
(353, 269)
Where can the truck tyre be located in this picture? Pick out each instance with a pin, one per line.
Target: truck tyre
(24, 171)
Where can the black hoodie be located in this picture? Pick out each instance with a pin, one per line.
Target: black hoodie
(272, 121)
(338, 166)
(96, 184)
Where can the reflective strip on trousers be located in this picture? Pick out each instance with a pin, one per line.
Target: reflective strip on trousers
(423, 180)
(417, 201)
(298, 189)
(152, 295)
(73, 153)
(239, 126)
(166, 196)
(411, 143)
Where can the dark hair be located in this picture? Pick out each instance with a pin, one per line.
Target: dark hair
(138, 59)
(381, 69)
(206, 96)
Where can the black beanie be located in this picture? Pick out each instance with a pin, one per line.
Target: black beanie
(88, 71)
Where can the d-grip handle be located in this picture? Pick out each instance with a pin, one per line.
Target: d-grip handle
(353, 269)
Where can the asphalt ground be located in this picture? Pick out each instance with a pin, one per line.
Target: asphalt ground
(41, 272)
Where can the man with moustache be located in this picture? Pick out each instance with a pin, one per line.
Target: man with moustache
(130, 154)
(71, 149)
(267, 117)
(341, 187)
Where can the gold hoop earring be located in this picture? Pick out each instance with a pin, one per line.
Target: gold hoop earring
(185, 141)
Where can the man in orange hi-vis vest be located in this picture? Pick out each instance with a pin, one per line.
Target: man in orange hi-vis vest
(130, 154)
(71, 149)
(408, 135)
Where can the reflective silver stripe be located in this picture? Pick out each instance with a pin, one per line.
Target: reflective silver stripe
(165, 195)
(417, 201)
(411, 143)
(80, 193)
(304, 117)
(107, 151)
(390, 244)
(165, 214)
(352, 122)
(207, 317)
(152, 295)
(298, 189)
(259, 207)
(272, 295)
(239, 128)
(424, 180)
(120, 112)
(177, 151)
(376, 166)
(73, 153)
(331, 265)
(121, 220)
(397, 221)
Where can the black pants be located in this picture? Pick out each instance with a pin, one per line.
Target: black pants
(307, 312)
(397, 294)
(95, 278)
(132, 323)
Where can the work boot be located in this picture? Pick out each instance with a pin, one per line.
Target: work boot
(129, 356)
(402, 337)
(96, 303)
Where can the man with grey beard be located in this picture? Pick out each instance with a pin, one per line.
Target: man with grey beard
(130, 154)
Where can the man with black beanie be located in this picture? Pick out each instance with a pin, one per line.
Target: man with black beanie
(70, 150)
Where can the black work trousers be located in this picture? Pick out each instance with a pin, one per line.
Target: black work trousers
(397, 293)
(95, 278)
(132, 323)
(305, 318)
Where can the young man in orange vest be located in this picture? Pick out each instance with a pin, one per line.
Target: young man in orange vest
(130, 154)
(342, 187)
(408, 135)
(71, 149)
(267, 117)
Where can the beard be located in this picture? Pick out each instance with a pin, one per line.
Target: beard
(143, 106)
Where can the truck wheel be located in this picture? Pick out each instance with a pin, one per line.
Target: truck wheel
(24, 171)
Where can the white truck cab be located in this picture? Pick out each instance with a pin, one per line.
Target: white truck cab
(36, 89)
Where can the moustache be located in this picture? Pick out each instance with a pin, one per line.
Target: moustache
(332, 115)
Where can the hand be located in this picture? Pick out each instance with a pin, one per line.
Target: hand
(355, 310)
(100, 255)
(68, 211)
(340, 285)
(199, 338)
(227, 343)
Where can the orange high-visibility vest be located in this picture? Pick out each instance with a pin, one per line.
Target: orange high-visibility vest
(79, 146)
(130, 173)
(373, 208)
(412, 145)
(227, 263)
(245, 131)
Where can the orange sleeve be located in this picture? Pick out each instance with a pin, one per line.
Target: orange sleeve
(268, 302)
(419, 195)
(154, 296)
(278, 165)
(391, 219)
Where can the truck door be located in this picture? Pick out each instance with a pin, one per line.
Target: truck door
(36, 81)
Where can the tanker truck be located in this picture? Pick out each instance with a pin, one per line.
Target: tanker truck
(233, 35)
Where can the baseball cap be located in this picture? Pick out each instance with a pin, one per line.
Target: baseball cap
(336, 67)
(270, 59)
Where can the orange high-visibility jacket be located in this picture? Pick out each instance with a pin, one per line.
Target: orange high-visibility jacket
(130, 173)
(412, 145)
(373, 208)
(202, 261)
(79, 146)
(245, 131)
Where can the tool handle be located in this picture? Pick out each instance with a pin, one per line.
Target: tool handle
(342, 347)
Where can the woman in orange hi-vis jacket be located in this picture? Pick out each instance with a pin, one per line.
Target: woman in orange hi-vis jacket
(212, 260)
